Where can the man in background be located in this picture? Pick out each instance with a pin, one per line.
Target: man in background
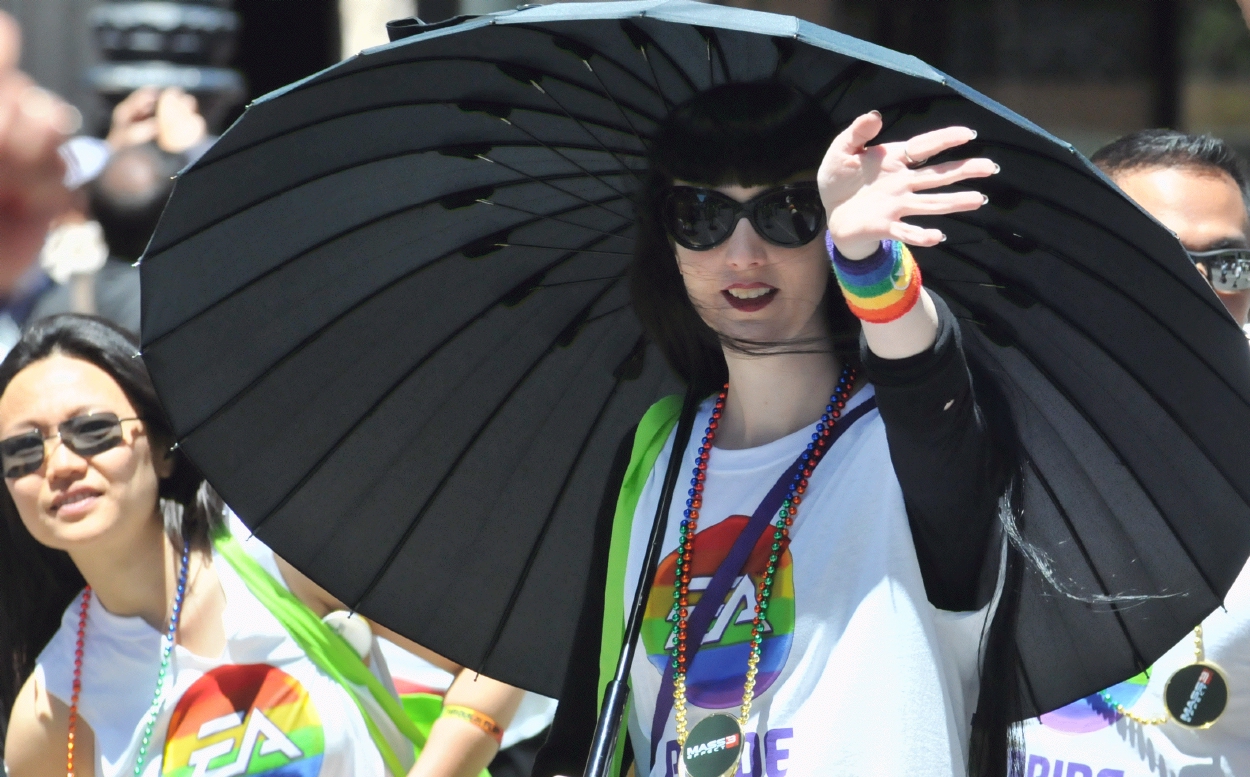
(1197, 187)
(126, 200)
(154, 134)
(33, 125)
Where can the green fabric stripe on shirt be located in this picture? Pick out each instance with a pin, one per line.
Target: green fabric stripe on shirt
(649, 440)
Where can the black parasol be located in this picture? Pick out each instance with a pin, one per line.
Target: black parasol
(388, 317)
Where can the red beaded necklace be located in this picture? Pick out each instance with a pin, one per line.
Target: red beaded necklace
(167, 646)
(73, 704)
(689, 525)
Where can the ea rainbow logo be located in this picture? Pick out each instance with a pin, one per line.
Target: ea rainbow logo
(1093, 712)
(715, 677)
(248, 719)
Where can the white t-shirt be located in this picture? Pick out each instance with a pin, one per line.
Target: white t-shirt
(261, 707)
(859, 674)
(1093, 741)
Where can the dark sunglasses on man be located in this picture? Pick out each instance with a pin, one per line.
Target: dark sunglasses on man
(86, 435)
(1227, 269)
(701, 219)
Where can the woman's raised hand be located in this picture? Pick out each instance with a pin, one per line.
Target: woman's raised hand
(868, 190)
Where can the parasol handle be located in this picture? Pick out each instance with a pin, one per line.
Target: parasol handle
(603, 745)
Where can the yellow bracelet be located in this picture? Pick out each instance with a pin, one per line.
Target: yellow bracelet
(480, 719)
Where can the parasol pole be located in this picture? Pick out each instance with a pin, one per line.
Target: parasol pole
(603, 745)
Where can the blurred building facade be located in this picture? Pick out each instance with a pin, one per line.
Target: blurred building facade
(1087, 70)
(270, 43)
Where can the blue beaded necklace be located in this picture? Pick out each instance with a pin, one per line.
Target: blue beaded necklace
(167, 648)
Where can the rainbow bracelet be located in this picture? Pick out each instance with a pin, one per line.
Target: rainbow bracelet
(882, 287)
(474, 718)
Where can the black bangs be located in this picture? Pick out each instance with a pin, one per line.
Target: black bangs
(746, 133)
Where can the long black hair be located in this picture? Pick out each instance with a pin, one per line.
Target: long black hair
(762, 133)
(37, 583)
(750, 134)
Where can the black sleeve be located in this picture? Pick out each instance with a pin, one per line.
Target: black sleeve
(568, 740)
(948, 462)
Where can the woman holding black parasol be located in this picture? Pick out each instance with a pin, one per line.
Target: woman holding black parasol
(846, 631)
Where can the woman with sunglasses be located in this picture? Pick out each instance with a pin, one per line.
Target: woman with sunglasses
(823, 603)
(188, 651)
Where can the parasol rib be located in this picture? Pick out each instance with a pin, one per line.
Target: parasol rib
(1137, 479)
(611, 312)
(586, 129)
(584, 171)
(555, 505)
(639, 38)
(612, 97)
(845, 79)
(342, 169)
(355, 228)
(668, 104)
(375, 107)
(330, 78)
(601, 205)
(1097, 428)
(465, 449)
(1044, 482)
(315, 468)
(714, 43)
(1090, 336)
(566, 248)
(552, 218)
(582, 280)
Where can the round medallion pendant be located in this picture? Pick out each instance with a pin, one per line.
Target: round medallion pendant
(1196, 695)
(712, 748)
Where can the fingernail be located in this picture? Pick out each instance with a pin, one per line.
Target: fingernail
(974, 133)
(985, 199)
(997, 169)
(942, 239)
(878, 113)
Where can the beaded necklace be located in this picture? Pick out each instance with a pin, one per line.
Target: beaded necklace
(1199, 697)
(681, 655)
(167, 647)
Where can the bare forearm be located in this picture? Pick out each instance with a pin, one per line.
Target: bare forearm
(908, 335)
(457, 748)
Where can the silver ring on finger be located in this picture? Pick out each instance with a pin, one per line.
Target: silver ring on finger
(912, 163)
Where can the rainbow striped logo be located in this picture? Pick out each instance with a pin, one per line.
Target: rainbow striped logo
(718, 671)
(1093, 712)
(244, 719)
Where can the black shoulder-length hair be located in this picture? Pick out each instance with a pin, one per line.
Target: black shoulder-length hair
(37, 583)
(750, 134)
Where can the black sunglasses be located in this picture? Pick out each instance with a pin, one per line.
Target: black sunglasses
(1228, 269)
(86, 435)
(701, 219)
